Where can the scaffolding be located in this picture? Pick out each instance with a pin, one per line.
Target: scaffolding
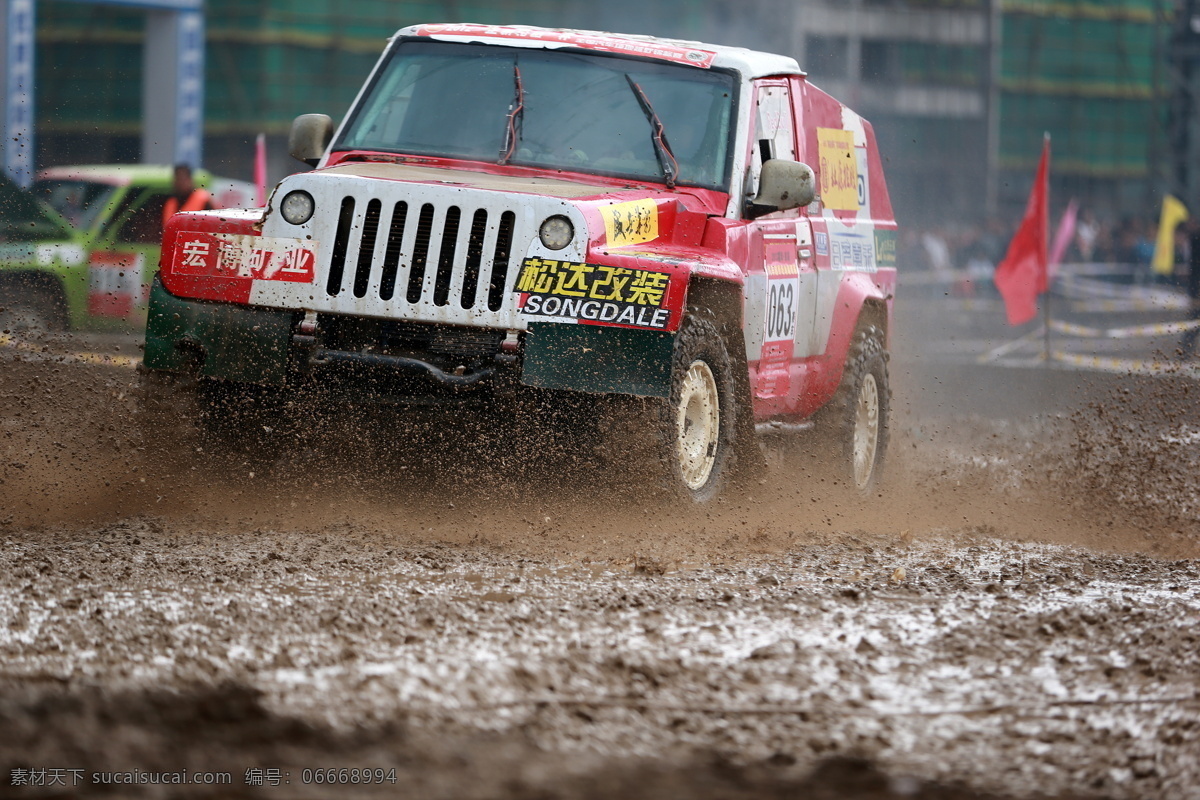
(1089, 72)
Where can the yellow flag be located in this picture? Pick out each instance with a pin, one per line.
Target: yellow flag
(1173, 213)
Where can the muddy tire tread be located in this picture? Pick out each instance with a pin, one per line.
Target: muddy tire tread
(835, 422)
(699, 337)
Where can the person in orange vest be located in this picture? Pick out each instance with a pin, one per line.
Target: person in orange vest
(186, 196)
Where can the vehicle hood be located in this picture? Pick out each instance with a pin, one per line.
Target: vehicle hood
(576, 188)
(477, 180)
(618, 215)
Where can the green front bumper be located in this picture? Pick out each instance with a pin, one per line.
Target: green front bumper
(252, 345)
(237, 343)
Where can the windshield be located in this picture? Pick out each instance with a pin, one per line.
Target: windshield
(79, 202)
(555, 109)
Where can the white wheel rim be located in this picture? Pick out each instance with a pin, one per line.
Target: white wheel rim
(866, 430)
(697, 425)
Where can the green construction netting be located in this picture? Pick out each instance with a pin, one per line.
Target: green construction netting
(1079, 55)
(1100, 137)
(1090, 72)
(269, 60)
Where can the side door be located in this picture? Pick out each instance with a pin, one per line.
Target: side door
(848, 245)
(120, 266)
(778, 294)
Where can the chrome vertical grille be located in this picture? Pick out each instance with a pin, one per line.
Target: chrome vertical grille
(391, 256)
(440, 255)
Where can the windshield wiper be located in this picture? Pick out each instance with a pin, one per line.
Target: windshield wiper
(516, 117)
(662, 150)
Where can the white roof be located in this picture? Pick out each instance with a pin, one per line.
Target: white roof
(750, 63)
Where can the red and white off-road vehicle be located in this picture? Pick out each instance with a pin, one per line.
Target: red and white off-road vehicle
(514, 210)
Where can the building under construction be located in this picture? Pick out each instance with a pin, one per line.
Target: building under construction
(960, 91)
(963, 91)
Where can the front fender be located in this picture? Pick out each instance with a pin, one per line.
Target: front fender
(192, 264)
(858, 291)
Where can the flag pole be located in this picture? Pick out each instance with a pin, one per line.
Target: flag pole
(1046, 329)
(1046, 264)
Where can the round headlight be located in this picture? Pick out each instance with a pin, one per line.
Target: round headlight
(297, 207)
(556, 233)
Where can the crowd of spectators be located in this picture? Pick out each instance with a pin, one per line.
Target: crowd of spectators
(964, 258)
(977, 249)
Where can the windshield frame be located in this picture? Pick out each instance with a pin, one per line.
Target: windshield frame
(92, 213)
(380, 73)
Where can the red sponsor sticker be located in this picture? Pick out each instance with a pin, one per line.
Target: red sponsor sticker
(254, 257)
(197, 254)
(293, 264)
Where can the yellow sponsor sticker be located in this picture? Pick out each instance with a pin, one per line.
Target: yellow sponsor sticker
(630, 223)
(594, 293)
(839, 169)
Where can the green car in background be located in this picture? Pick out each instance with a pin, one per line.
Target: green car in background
(79, 250)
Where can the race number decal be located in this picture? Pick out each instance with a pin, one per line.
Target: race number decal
(782, 307)
(114, 284)
(864, 178)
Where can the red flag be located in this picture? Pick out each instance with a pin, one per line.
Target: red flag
(1021, 276)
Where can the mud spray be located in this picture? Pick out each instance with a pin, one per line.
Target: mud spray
(1014, 615)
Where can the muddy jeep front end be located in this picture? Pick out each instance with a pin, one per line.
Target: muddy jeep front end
(419, 290)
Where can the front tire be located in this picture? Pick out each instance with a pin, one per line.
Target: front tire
(697, 424)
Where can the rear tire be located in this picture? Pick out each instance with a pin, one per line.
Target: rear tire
(167, 413)
(182, 415)
(855, 424)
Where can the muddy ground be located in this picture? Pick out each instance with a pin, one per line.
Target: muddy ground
(1014, 616)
